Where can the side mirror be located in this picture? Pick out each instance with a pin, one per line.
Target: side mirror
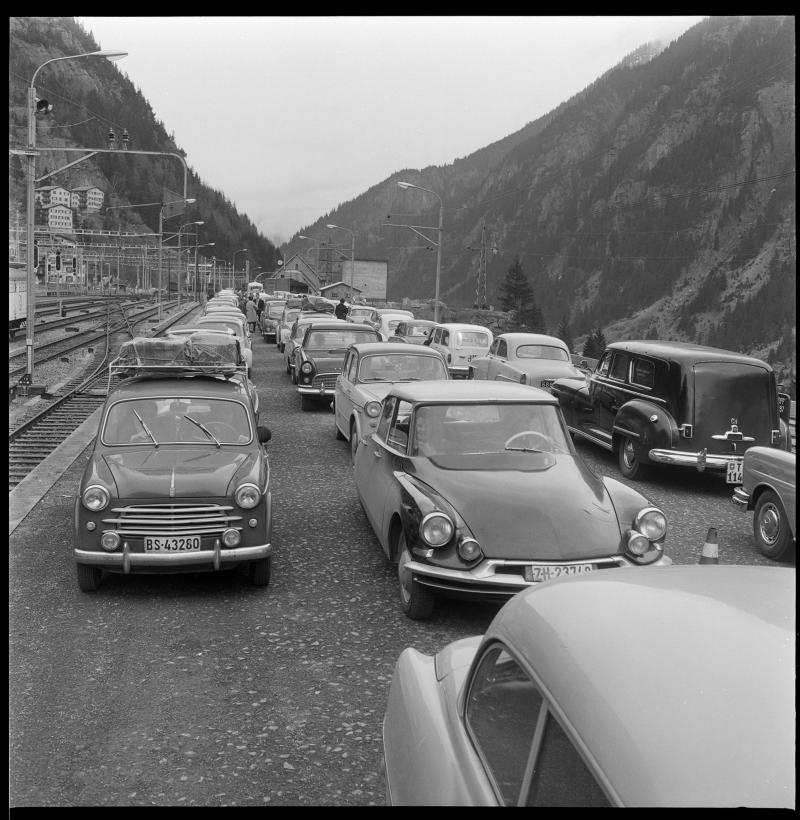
(264, 434)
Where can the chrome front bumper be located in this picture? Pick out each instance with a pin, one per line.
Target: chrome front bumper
(125, 560)
(701, 459)
(740, 499)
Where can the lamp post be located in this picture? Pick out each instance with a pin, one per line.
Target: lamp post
(186, 225)
(438, 244)
(233, 262)
(195, 278)
(352, 255)
(30, 154)
(161, 246)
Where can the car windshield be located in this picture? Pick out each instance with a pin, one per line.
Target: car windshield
(222, 324)
(472, 338)
(275, 310)
(398, 367)
(459, 429)
(173, 420)
(330, 339)
(288, 316)
(392, 324)
(542, 352)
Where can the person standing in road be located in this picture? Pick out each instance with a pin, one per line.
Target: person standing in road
(341, 310)
(250, 312)
(261, 303)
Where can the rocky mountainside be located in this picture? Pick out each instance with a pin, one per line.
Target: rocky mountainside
(90, 97)
(659, 202)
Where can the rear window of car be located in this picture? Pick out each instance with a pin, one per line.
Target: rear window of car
(557, 354)
(221, 324)
(275, 310)
(472, 338)
(417, 330)
(643, 373)
(323, 339)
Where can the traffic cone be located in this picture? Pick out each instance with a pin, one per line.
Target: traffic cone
(710, 553)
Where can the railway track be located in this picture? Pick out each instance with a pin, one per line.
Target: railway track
(33, 440)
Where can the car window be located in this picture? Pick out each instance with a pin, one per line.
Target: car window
(560, 777)
(178, 420)
(643, 373)
(352, 367)
(604, 364)
(274, 310)
(386, 415)
(445, 339)
(472, 338)
(502, 711)
(401, 367)
(502, 348)
(619, 367)
(221, 324)
(556, 354)
(397, 436)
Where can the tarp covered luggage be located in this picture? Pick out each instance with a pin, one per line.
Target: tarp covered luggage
(202, 352)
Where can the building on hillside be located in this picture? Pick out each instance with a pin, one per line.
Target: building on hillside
(57, 217)
(340, 290)
(87, 198)
(53, 195)
(369, 278)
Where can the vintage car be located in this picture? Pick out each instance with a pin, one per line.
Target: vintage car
(675, 403)
(284, 329)
(179, 478)
(477, 490)
(413, 331)
(296, 334)
(769, 488)
(230, 321)
(369, 371)
(460, 344)
(363, 315)
(388, 322)
(656, 688)
(528, 358)
(270, 317)
(320, 355)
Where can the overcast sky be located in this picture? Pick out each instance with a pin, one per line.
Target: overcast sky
(291, 116)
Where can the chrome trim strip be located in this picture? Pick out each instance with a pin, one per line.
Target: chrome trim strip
(719, 462)
(607, 445)
(141, 559)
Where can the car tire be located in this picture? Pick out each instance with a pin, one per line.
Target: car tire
(261, 571)
(630, 459)
(88, 577)
(307, 404)
(353, 443)
(771, 527)
(416, 600)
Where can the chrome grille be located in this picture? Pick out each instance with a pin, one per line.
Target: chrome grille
(326, 380)
(173, 519)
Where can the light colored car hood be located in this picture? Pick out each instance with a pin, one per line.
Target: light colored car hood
(176, 471)
(557, 512)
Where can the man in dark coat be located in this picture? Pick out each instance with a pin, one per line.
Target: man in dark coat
(341, 309)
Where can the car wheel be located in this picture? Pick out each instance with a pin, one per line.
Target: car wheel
(353, 442)
(630, 460)
(417, 601)
(261, 571)
(306, 403)
(770, 527)
(88, 577)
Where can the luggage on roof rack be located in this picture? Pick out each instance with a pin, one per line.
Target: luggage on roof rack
(208, 353)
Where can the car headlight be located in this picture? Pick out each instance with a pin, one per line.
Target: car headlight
(640, 549)
(247, 496)
(95, 498)
(372, 409)
(469, 550)
(436, 529)
(110, 540)
(651, 522)
(231, 537)
(306, 367)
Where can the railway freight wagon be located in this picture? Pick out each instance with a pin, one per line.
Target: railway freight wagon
(17, 299)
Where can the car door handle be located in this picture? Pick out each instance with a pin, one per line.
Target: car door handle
(377, 453)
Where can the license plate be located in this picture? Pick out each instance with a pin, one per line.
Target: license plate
(734, 475)
(537, 574)
(546, 383)
(172, 544)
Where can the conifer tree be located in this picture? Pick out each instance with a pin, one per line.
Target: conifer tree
(516, 294)
(565, 334)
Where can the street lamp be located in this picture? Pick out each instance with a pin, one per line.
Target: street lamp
(161, 244)
(352, 256)
(233, 262)
(196, 275)
(405, 185)
(30, 153)
(180, 229)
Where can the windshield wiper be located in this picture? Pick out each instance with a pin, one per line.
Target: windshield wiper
(523, 450)
(146, 428)
(203, 428)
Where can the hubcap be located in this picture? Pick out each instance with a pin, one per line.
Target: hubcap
(769, 523)
(628, 453)
(404, 575)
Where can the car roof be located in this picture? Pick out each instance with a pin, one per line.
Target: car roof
(463, 326)
(365, 348)
(685, 352)
(414, 321)
(680, 680)
(466, 391)
(188, 385)
(532, 339)
(335, 324)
